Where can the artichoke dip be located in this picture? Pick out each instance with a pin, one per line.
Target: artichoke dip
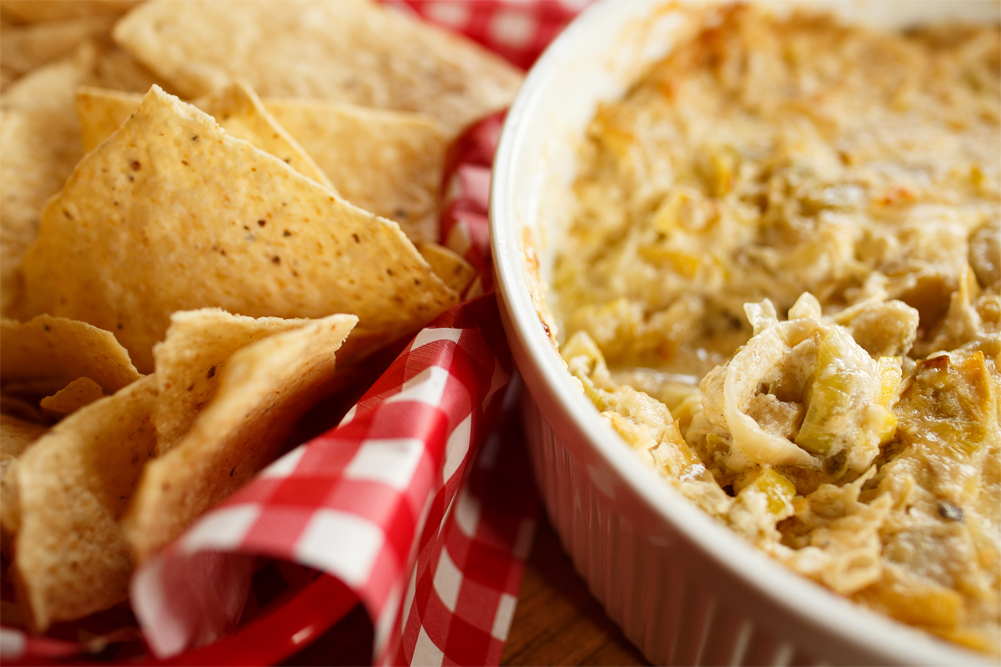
(780, 285)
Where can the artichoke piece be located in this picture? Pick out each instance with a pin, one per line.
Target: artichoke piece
(584, 360)
(949, 414)
(846, 408)
(890, 373)
(778, 491)
(831, 398)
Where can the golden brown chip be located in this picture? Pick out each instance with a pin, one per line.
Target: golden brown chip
(236, 108)
(101, 111)
(386, 162)
(50, 87)
(59, 350)
(39, 146)
(23, 48)
(32, 11)
(172, 214)
(267, 386)
(448, 265)
(73, 486)
(356, 52)
(16, 435)
(191, 360)
(72, 397)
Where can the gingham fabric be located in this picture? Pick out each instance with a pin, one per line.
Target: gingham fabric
(381, 506)
(462, 594)
(518, 31)
(351, 502)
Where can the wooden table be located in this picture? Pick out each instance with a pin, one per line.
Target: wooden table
(557, 621)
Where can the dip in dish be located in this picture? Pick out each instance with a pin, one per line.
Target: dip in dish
(781, 287)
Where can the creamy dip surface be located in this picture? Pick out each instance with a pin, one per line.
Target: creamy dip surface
(780, 285)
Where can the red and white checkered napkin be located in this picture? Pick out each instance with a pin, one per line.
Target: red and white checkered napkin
(352, 502)
(463, 591)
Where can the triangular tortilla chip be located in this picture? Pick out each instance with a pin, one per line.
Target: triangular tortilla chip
(236, 108)
(101, 111)
(356, 52)
(39, 145)
(50, 87)
(387, 162)
(61, 350)
(73, 486)
(448, 265)
(191, 360)
(267, 386)
(170, 213)
(77, 394)
(16, 435)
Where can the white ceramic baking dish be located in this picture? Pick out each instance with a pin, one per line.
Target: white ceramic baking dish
(684, 589)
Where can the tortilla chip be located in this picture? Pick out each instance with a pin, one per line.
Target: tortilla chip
(60, 350)
(39, 146)
(51, 86)
(191, 360)
(73, 485)
(16, 435)
(32, 11)
(386, 162)
(102, 111)
(267, 386)
(236, 108)
(23, 48)
(355, 52)
(448, 265)
(72, 397)
(170, 213)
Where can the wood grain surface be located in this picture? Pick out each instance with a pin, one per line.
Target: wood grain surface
(557, 620)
